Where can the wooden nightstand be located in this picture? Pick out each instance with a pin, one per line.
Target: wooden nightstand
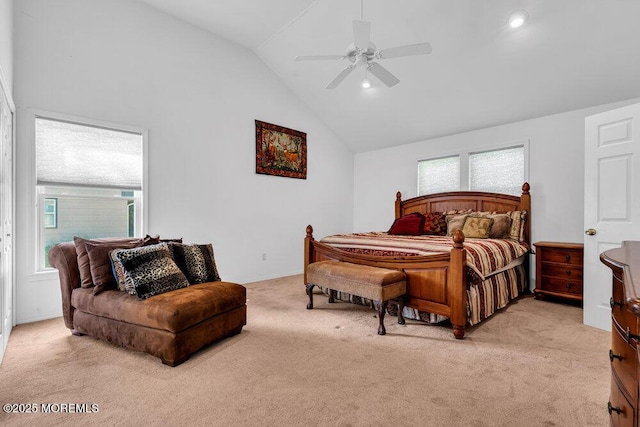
(559, 270)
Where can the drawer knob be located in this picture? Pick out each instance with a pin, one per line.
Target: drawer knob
(613, 303)
(568, 272)
(568, 286)
(567, 258)
(612, 408)
(629, 335)
(612, 356)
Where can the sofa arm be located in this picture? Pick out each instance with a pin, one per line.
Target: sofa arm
(63, 257)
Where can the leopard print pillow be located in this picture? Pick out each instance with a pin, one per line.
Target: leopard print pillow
(196, 262)
(150, 270)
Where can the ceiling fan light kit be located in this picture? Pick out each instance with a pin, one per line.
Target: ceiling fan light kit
(517, 19)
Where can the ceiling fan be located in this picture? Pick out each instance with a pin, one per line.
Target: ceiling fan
(363, 53)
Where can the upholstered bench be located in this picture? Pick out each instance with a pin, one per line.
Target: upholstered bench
(378, 284)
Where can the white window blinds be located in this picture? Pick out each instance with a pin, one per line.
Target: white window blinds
(82, 155)
(439, 175)
(497, 171)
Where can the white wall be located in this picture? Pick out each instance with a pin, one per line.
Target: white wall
(198, 95)
(6, 43)
(556, 172)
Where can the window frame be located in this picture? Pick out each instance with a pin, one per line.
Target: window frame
(36, 228)
(54, 214)
(465, 153)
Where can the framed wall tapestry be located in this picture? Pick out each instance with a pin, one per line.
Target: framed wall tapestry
(280, 151)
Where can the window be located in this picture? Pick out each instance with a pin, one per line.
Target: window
(88, 181)
(501, 170)
(50, 213)
(439, 175)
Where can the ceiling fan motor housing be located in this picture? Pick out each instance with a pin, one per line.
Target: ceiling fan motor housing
(361, 57)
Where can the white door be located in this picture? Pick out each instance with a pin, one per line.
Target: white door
(611, 201)
(6, 221)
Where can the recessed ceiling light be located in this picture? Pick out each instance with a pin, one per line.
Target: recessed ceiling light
(517, 19)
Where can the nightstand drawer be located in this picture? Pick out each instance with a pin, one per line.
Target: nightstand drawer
(562, 256)
(569, 272)
(561, 285)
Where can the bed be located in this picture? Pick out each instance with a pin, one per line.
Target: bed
(442, 280)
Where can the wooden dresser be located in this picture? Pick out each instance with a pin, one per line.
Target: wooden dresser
(559, 270)
(625, 315)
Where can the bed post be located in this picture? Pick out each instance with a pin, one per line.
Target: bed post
(308, 251)
(398, 205)
(458, 285)
(525, 205)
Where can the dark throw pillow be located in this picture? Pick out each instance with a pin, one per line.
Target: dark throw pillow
(150, 270)
(83, 258)
(435, 224)
(154, 240)
(100, 263)
(196, 262)
(411, 225)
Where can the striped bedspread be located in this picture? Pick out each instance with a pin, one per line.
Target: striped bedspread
(484, 256)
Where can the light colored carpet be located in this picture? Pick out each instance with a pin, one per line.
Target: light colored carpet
(531, 364)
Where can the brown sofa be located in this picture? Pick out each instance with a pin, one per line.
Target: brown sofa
(170, 326)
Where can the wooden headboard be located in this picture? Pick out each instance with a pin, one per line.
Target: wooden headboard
(473, 200)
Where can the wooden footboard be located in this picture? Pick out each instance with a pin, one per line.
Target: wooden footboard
(435, 283)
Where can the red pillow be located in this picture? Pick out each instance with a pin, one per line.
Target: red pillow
(435, 224)
(410, 225)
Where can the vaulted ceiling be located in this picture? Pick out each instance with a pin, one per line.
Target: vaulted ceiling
(570, 54)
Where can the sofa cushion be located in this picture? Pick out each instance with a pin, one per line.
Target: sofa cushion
(150, 270)
(197, 262)
(172, 311)
(83, 258)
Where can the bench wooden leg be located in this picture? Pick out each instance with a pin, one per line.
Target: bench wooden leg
(310, 287)
(332, 296)
(400, 309)
(382, 308)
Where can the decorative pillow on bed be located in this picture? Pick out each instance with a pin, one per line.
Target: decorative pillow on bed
(477, 227)
(150, 270)
(455, 222)
(410, 225)
(100, 264)
(435, 224)
(458, 211)
(83, 258)
(518, 221)
(501, 224)
(196, 262)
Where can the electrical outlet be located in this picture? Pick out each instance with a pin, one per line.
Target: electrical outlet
(264, 256)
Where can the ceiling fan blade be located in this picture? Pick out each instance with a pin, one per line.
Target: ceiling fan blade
(383, 74)
(319, 57)
(407, 50)
(361, 34)
(340, 77)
